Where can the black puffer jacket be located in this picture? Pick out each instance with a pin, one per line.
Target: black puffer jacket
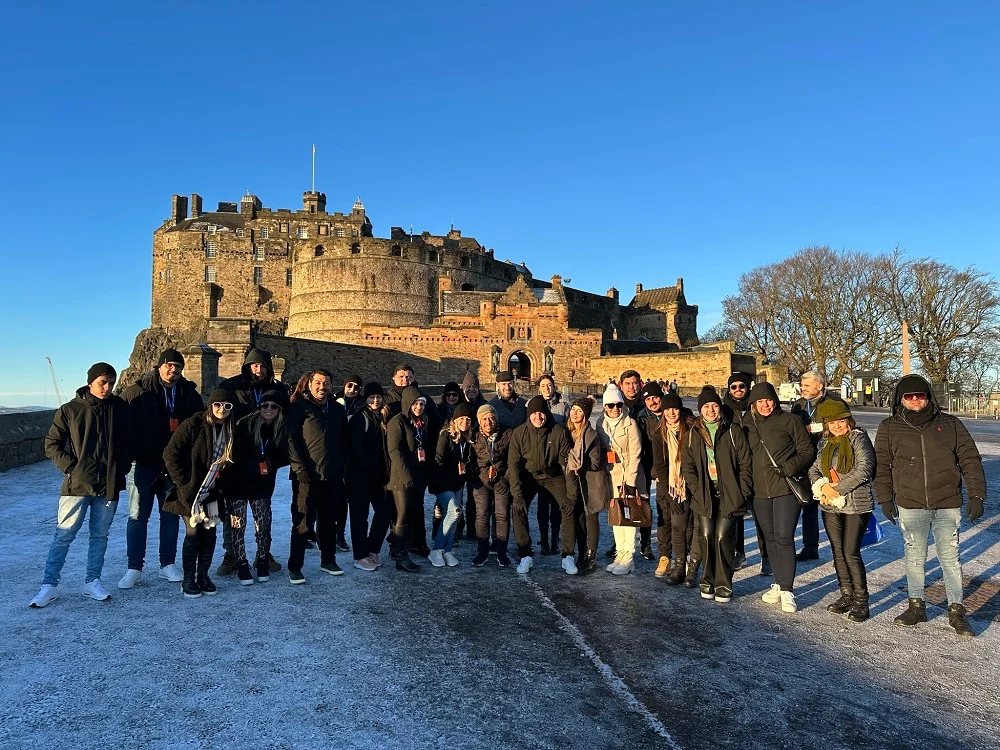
(91, 444)
(245, 390)
(481, 449)
(368, 458)
(924, 466)
(789, 443)
(449, 456)
(403, 439)
(855, 485)
(539, 452)
(188, 457)
(317, 440)
(245, 480)
(649, 430)
(735, 469)
(147, 408)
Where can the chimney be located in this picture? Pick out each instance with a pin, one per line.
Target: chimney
(195, 205)
(557, 282)
(613, 294)
(680, 284)
(638, 289)
(178, 209)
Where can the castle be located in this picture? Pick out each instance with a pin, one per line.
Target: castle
(314, 287)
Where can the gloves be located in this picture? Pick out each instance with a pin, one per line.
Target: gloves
(975, 508)
(778, 471)
(889, 511)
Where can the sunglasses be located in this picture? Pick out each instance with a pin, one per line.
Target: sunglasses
(224, 405)
(269, 405)
(914, 396)
(613, 406)
(452, 395)
(737, 387)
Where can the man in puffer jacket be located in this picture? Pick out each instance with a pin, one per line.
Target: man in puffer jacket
(923, 457)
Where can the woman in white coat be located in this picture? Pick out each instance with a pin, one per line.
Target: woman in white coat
(620, 438)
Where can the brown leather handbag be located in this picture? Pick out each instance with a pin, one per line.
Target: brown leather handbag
(630, 509)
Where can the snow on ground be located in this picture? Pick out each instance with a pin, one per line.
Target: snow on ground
(480, 658)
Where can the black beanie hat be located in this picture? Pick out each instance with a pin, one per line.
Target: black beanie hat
(652, 388)
(537, 403)
(763, 390)
(170, 355)
(708, 395)
(740, 377)
(451, 387)
(373, 389)
(354, 379)
(98, 369)
(221, 395)
(463, 409)
(912, 384)
(276, 395)
(672, 401)
(585, 404)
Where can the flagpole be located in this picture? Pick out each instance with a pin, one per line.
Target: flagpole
(314, 169)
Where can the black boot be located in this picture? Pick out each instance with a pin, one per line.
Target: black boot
(205, 563)
(612, 553)
(690, 577)
(189, 562)
(859, 610)
(843, 604)
(915, 612)
(342, 542)
(676, 575)
(544, 543)
(482, 554)
(646, 551)
(393, 547)
(403, 561)
(588, 563)
(958, 620)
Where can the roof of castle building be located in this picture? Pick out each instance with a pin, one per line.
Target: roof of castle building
(666, 295)
(224, 220)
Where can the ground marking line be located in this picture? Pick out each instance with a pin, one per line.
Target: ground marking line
(616, 683)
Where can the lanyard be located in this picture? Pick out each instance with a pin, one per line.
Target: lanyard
(170, 396)
(257, 394)
(263, 446)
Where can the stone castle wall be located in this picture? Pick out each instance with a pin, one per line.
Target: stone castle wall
(22, 438)
(691, 370)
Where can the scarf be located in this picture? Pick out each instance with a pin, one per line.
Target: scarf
(841, 446)
(918, 418)
(677, 488)
(574, 461)
(205, 511)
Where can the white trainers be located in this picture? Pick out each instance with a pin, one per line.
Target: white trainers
(95, 590)
(436, 558)
(450, 560)
(130, 579)
(365, 563)
(569, 565)
(788, 602)
(525, 565)
(772, 595)
(172, 573)
(45, 596)
(624, 567)
(613, 565)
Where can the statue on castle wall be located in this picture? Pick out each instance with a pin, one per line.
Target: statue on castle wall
(549, 356)
(495, 358)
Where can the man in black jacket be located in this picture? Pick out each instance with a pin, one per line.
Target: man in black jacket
(735, 408)
(402, 376)
(90, 442)
(157, 404)
(536, 464)
(923, 456)
(317, 432)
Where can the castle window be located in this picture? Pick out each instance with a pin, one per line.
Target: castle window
(210, 249)
(324, 230)
(433, 256)
(396, 251)
(288, 277)
(339, 232)
(355, 248)
(258, 253)
(468, 287)
(263, 233)
(258, 275)
(302, 232)
(283, 227)
(318, 251)
(239, 231)
(212, 228)
(168, 277)
(272, 307)
(209, 274)
(465, 261)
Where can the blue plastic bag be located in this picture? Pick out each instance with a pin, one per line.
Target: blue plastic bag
(873, 535)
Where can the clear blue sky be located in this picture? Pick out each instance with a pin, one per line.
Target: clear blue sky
(609, 144)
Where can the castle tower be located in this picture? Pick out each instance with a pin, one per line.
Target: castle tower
(314, 202)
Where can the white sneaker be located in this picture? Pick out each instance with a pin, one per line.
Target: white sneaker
(525, 565)
(172, 573)
(130, 579)
(436, 558)
(45, 596)
(772, 595)
(365, 563)
(788, 602)
(624, 567)
(613, 565)
(95, 590)
(450, 560)
(569, 565)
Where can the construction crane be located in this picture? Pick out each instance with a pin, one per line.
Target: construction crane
(55, 384)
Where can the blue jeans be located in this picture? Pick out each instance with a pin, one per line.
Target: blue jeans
(915, 525)
(450, 504)
(72, 510)
(140, 507)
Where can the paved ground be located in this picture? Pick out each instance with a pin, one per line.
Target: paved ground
(481, 658)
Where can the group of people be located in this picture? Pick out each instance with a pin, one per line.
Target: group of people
(365, 455)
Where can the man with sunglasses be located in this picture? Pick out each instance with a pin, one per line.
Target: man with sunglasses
(924, 456)
(350, 395)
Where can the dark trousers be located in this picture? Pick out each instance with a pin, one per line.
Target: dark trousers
(488, 502)
(340, 513)
(364, 494)
(739, 537)
(554, 488)
(664, 523)
(322, 498)
(549, 517)
(810, 527)
(682, 525)
(778, 517)
(197, 550)
(845, 531)
(409, 506)
(716, 541)
(590, 526)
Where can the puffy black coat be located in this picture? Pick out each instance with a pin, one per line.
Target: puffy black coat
(90, 442)
(245, 391)
(924, 466)
(244, 478)
(855, 485)
(735, 467)
(443, 475)
(317, 440)
(147, 408)
(789, 443)
(591, 483)
(649, 428)
(367, 456)
(539, 452)
(402, 441)
(188, 457)
(501, 446)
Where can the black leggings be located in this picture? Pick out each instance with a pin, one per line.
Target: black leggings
(845, 531)
(198, 549)
(549, 517)
(409, 504)
(364, 493)
(716, 535)
(778, 517)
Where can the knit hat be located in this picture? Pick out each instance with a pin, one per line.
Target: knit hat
(830, 410)
(912, 384)
(763, 390)
(373, 389)
(221, 395)
(353, 379)
(484, 410)
(98, 369)
(452, 387)
(740, 377)
(470, 379)
(671, 401)
(652, 388)
(537, 403)
(463, 409)
(612, 395)
(585, 404)
(504, 376)
(170, 355)
(708, 395)
(277, 396)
